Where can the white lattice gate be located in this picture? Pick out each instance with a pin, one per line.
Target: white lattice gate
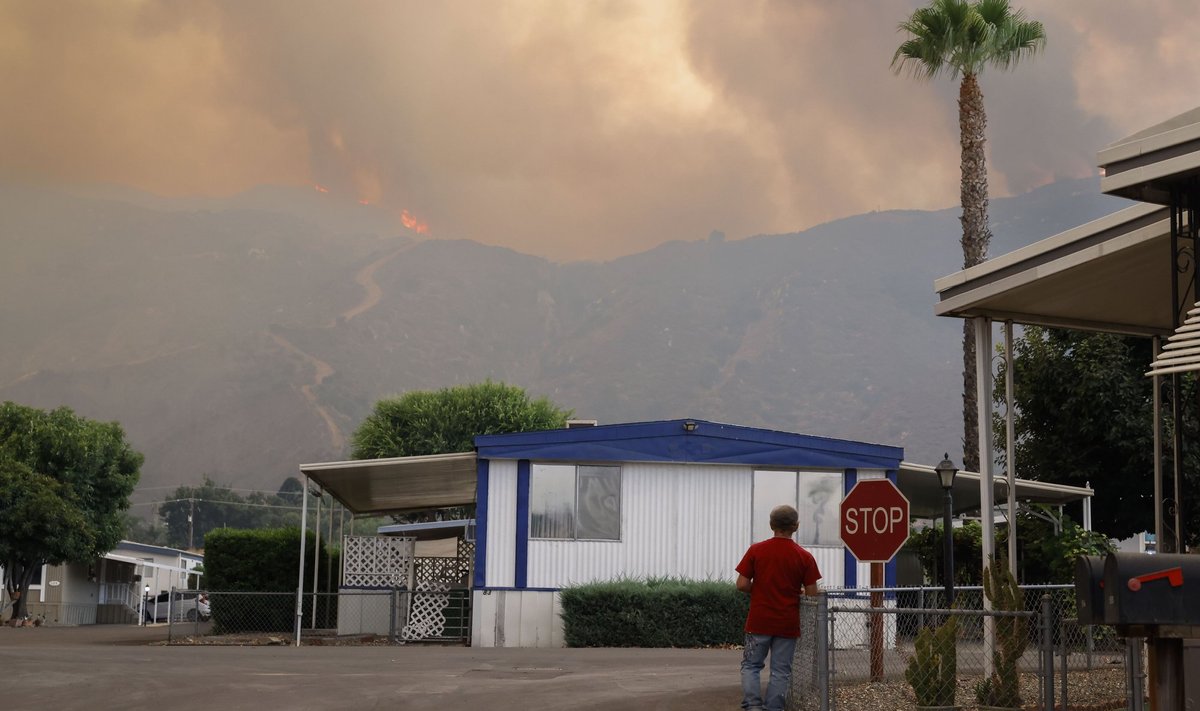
(386, 589)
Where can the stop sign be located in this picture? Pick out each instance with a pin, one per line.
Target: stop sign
(874, 520)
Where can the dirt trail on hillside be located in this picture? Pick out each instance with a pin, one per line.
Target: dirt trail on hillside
(366, 278)
(322, 370)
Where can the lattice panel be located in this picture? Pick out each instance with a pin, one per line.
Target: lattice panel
(466, 555)
(377, 561)
(427, 617)
(439, 569)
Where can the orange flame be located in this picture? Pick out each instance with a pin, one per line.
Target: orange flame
(364, 202)
(320, 188)
(411, 222)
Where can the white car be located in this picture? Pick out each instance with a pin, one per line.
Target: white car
(188, 607)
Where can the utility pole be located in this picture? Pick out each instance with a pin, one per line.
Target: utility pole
(191, 515)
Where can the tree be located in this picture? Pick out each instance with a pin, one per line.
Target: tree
(961, 38)
(192, 511)
(1085, 415)
(65, 483)
(447, 420)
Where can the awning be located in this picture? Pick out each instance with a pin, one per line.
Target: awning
(926, 499)
(374, 486)
(1111, 275)
(1146, 165)
(151, 564)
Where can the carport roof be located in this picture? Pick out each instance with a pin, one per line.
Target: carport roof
(1111, 275)
(373, 486)
(920, 484)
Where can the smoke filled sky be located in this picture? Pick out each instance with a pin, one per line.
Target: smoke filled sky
(572, 130)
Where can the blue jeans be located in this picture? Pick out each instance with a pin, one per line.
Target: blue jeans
(782, 649)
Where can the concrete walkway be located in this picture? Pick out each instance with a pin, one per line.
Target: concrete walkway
(111, 667)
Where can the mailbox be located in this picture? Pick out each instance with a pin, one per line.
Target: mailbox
(1089, 589)
(1152, 590)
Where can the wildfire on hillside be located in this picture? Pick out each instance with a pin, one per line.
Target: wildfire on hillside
(411, 222)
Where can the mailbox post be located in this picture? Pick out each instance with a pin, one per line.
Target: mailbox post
(1152, 596)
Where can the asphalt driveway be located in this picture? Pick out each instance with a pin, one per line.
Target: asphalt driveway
(112, 667)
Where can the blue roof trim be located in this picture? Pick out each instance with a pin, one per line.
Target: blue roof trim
(709, 443)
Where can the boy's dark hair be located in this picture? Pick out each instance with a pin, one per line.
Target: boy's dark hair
(785, 518)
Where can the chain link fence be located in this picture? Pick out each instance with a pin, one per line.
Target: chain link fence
(913, 649)
(907, 648)
(432, 613)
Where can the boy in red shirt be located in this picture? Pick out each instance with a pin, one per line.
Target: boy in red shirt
(775, 572)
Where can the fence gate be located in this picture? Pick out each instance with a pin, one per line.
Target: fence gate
(429, 595)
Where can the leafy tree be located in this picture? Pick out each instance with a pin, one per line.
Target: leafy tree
(1085, 414)
(192, 511)
(447, 420)
(960, 38)
(143, 531)
(65, 483)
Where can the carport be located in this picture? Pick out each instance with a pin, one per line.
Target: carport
(1131, 273)
(388, 486)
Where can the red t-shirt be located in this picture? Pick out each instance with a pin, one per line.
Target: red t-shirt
(780, 569)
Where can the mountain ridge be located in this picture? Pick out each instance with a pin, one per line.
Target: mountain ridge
(236, 344)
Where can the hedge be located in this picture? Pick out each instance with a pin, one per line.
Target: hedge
(259, 561)
(660, 612)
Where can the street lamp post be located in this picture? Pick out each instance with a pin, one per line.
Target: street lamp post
(946, 471)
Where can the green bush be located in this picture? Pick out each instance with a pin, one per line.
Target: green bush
(258, 561)
(660, 612)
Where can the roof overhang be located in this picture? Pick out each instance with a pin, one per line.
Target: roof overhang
(926, 498)
(1149, 164)
(375, 486)
(1111, 275)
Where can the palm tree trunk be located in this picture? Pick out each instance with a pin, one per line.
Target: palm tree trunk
(972, 120)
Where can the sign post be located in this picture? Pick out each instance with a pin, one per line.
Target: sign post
(874, 525)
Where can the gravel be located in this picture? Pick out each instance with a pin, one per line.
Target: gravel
(1094, 690)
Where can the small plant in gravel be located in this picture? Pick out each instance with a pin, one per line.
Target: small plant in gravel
(933, 668)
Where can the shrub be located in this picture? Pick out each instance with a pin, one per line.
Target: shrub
(659, 612)
(260, 561)
(933, 668)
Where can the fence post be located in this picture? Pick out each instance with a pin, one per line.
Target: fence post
(832, 642)
(1063, 647)
(823, 652)
(392, 621)
(1047, 655)
(1133, 673)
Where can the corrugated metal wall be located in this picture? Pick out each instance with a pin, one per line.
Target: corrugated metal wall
(676, 520)
(501, 524)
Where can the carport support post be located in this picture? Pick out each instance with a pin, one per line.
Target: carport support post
(303, 540)
(983, 394)
(1010, 446)
(876, 622)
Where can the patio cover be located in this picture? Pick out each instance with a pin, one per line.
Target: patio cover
(375, 486)
(1110, 275)
(920, 484)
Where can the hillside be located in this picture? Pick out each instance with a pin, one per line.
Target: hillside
(238, 338)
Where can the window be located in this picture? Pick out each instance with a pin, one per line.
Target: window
(568, 502)
(815, 495)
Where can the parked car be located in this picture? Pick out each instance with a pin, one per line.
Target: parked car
(187, 606)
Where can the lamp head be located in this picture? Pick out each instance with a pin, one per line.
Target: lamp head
(946, 471)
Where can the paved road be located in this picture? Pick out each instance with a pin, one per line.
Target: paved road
(109, 667)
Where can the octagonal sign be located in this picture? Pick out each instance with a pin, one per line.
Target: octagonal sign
(874, 520)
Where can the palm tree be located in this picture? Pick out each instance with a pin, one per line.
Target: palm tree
(960, 38)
